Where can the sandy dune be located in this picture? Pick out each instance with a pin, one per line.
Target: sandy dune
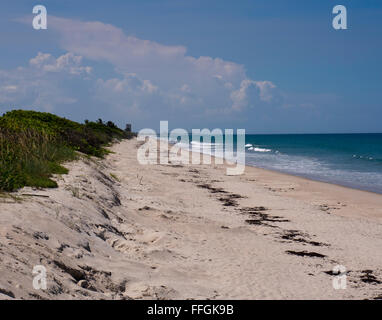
(115, 229)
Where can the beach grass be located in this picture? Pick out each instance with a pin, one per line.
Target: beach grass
(33, 146)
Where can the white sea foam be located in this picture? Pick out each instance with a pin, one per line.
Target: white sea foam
(197, 143)
(257, 149)
(262, 150)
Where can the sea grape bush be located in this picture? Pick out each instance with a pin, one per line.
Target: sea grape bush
(33, 145)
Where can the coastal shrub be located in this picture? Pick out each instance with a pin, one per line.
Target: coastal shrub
(33, 145)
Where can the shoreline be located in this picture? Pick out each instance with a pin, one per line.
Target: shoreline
(322, 186)
(289, 174)
(315, 186)
(312, 179)
(306, 176)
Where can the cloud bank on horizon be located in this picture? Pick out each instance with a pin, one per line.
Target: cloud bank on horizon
(149, 79)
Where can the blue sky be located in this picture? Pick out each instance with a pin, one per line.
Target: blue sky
(269, 66)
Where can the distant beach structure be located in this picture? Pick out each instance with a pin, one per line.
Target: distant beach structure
(128, 127)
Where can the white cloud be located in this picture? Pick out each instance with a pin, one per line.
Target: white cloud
(266, 90)
(252, 91)
(69, 63)
(126, 90)
(10, 88)
(179, 80)
(45, 83)
(149, 82)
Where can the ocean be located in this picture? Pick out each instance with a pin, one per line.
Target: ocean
(351, 160)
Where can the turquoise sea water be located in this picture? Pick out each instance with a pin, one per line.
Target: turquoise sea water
(352, 160)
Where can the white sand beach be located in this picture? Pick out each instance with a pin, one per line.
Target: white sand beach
(115, 229)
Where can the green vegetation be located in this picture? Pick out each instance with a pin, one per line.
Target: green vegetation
(115, 177)
(33, 145)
